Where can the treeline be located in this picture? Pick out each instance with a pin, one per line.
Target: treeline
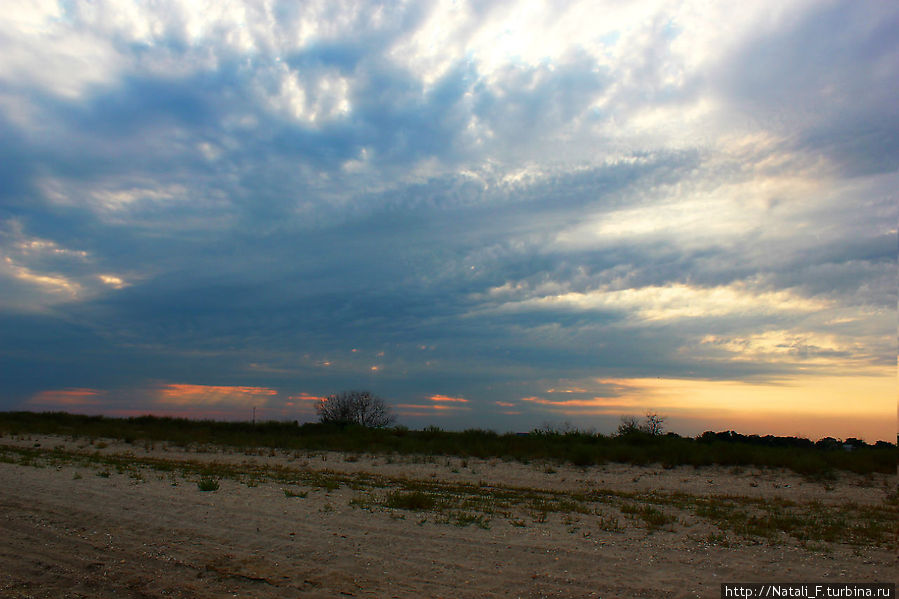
(669, 450)
(831, 443)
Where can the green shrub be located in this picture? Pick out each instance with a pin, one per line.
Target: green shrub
(208, 484)
(414, 500)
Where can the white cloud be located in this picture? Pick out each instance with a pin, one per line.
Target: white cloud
(53, 286)
(64, 62)
(310, 100)
(671, 302)
(40, 273)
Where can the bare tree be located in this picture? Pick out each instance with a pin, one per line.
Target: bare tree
(355, 407)
(653, 424)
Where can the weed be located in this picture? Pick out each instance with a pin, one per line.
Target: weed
(208, 484)
(462, 519)
(301, 494)
(718, 539)
(414, 500)
(653, 517)
(609, 524)
(363, 502)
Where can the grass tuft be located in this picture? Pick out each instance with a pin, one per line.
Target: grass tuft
(208, 484)
(414, 500)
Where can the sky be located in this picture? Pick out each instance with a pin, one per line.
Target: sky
(492, 214)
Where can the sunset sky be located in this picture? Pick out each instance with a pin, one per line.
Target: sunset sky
(492, 214)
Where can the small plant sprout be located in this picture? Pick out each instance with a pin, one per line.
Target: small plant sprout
(208, 484)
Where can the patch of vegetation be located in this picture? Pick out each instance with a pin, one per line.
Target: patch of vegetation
(208, 484)
(414, 500)
(463, 519)
(637, 444)
(609, 523)
(652, 516)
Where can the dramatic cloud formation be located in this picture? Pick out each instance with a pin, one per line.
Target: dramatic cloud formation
(492, 214)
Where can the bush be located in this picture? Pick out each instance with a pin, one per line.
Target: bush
(208, 484)
(652, 425)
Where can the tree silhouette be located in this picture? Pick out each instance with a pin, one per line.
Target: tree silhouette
(652, 425)
(354, 407)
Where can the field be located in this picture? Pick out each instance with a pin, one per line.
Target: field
(92, 516)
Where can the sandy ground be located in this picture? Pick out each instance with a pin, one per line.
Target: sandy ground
(70, 531)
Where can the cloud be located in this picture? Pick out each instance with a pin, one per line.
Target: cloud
(672, 302)
(502, 199)
(596, 402)
(183, 394)
(446, 398)
(428, 407)
(825, 79)
(65, 398)
(306, 397)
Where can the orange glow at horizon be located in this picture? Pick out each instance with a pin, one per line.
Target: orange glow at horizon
(821, 395)
(816, 406)
(66, 397)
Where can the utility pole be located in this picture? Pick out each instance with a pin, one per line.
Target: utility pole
(254, 415)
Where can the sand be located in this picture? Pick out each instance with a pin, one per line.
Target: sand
(79, 528)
